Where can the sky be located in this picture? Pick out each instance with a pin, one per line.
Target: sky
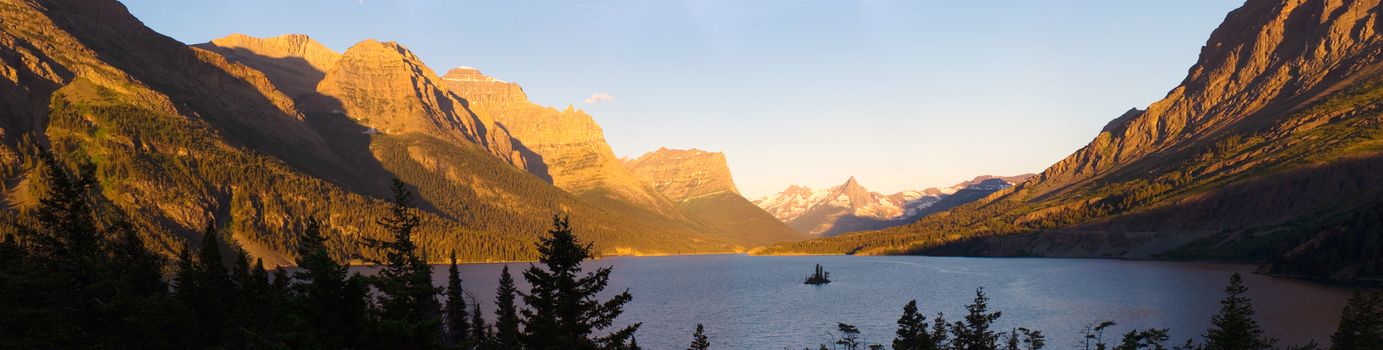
(901, 94)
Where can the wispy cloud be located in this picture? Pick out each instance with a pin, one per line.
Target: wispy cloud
(600, 97)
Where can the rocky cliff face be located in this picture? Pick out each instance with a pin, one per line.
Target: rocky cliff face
(570, 144)
(293, 62)
(1266, 59)
(700, 183)
(183, 136)
(681, 175)
(93, 84)
(1277, 120)
(1264, 82)
(384, 86)
(478, 88)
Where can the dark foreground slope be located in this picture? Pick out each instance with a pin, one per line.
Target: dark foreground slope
(1271, 150)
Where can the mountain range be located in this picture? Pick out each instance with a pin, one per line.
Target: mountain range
(850, 207)
(1269, 151)
(255, 134)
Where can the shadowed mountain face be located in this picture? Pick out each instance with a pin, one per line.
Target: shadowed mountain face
(700, 183)
(385, 87)
(181, 136)
(293, 62)
(1271, 140)
(850, 207)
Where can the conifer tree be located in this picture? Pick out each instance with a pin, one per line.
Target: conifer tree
(973, 332)
(207, 290)
(64, 261)
(255, 322)
(699, 340)
(139, 269)
(68, 281)
(1093, 334)
(479, 332)
(407, 313)
(331, 303)
(458, 327)
(849, 337)
(507, 314)
(1131, 341)
(563, 311)
(1150, 339)
(185, 277)
(912, 330)
(1361, 323)
(1033, 340)
(248, 305)
(17, 291)
(941, 332)
(1234, 328)
(141, 311)
(67, 233)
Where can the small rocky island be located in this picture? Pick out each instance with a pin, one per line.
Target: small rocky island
(818, 278)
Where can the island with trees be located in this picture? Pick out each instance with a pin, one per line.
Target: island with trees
(819, 278)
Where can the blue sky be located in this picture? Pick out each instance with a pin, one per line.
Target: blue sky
(902, 94)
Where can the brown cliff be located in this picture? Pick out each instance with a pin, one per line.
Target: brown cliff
(572, 146)
(701, 184)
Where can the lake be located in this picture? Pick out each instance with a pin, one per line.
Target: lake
(750, 302)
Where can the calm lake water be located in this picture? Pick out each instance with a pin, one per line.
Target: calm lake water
(760, 302)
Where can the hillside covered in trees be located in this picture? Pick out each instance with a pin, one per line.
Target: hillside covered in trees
(78, 278)
(1268, 151)
(179, 137)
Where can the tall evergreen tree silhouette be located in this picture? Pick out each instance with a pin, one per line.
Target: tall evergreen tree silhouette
(507, 313)
(563, 311)
(74, 278)
(941, 332)
(479, 332)
(454, 318)
(67, 235)
(63, 260)
(912, 330)
(407, 314)
(255, 320)
(1361, 323)
(139, 269)
(973, 332)
(1011, 340)
(1234, 328)
(699, 340)
(332, 302)
(206, 288)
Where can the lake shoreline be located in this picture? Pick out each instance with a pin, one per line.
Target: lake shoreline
(758, 302)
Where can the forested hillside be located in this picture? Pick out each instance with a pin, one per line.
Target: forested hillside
(1272, 143)
(181, 136)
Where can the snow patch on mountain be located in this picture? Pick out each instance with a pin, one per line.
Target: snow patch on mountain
(816, 211)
